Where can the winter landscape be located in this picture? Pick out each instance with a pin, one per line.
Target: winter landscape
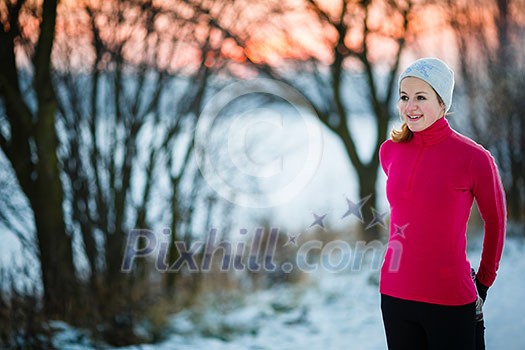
(134, 133)
(330, 311)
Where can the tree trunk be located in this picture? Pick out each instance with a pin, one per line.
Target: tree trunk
(31, 149)
(367, 179)
(173, 253)
(56, 255)
(56, 258)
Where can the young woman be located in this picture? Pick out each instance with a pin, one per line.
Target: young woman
(428, 295)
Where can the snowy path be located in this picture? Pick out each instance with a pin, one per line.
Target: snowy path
(336, 311)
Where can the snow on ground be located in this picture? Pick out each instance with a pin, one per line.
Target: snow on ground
(504, 311)
(332, 311)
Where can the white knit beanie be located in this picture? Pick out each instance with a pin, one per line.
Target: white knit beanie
(436, 73)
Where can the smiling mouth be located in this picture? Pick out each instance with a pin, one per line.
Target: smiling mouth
(414, 117)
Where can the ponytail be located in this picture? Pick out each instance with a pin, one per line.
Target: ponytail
(403, 135)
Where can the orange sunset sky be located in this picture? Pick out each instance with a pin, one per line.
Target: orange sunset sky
(294, 34)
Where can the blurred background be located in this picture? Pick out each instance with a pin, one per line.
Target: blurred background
(259, 121)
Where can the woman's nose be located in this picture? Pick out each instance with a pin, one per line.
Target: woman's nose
(410, 106)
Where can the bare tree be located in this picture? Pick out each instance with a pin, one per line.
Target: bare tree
(127, 116)
(490, 44)
(345, 46)
(114, 104)
(28, 139)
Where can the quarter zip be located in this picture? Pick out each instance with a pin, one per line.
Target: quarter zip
(415, 166)
(434, 134)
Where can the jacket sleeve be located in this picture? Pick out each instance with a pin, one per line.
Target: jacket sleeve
(490, 198)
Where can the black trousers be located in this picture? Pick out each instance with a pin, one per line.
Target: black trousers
(423, 326)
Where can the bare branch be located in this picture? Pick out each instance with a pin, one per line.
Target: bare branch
(19, 234)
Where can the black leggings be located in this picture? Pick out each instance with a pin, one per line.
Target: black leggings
(423, 326)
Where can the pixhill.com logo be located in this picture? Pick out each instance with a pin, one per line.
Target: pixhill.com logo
(258, 251)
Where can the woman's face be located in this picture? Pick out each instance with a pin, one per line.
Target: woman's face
(419, 104)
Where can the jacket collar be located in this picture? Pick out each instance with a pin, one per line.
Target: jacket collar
(435, 133)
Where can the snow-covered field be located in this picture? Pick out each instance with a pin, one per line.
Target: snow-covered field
(331, 311)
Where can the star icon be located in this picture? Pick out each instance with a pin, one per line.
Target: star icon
(318, 220)
(399, 230)
(292, 240)
(378, 219)
(355, 208)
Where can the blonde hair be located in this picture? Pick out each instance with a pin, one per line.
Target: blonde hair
(403, 135)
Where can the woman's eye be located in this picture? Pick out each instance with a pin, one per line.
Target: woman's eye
(421, 98)
(404, 98)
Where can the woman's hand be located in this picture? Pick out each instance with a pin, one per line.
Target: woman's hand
(482, 290)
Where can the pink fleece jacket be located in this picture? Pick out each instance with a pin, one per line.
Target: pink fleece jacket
(432, 181)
